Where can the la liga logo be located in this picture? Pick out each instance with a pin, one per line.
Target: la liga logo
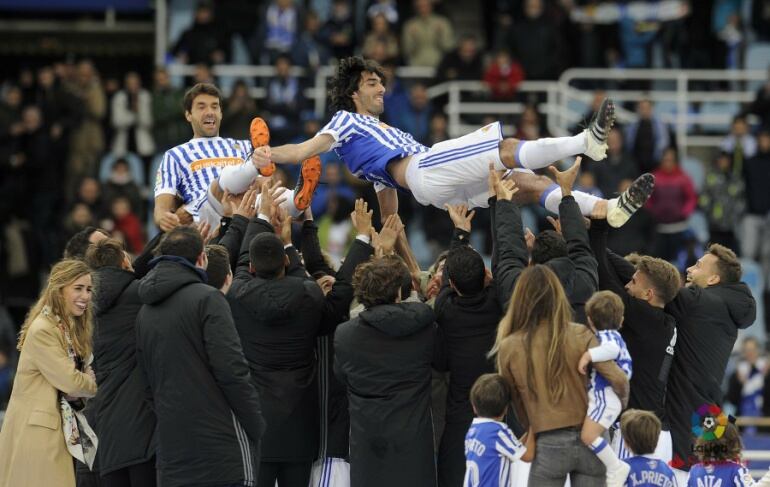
(709, 422)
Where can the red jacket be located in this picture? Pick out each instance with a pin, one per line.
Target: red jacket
(503, 84)
(674, 198)
(131, 228)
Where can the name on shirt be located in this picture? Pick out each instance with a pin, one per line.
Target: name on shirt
(216, 162)
(647, 477)
(475, 446)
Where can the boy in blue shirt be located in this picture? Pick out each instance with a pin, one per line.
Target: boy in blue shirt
(721, 462)
(490, 445)
(640, 431)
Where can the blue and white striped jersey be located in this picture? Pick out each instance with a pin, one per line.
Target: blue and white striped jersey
(366, 145)
(649, 472)
(723, 474)
(611, 339)
(490, 450)
(188, 169)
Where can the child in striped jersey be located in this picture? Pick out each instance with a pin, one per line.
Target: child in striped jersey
(605, 316)
(721, 462)
(490, 445)
(640, 431)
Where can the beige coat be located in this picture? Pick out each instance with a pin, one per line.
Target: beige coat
(32, 449)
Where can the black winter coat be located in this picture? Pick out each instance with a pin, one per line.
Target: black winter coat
(707, 320)
(208, 410)
(278, 321)
(384, 357)
(125, 424)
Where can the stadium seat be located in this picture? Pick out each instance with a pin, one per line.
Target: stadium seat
(757, 57)
(699, 226)
(696, 170)
(135, 165)
(727, 109)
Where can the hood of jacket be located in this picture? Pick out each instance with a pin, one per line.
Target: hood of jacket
(399, 320)
(740, 303)
(109, 284)
(271, 300)
(168, 275)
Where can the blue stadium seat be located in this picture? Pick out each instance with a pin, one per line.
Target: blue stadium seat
(728, 109)
(135, 165)
(696, 170)
(757, 57)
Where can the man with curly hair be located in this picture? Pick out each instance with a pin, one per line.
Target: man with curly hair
(454, 171)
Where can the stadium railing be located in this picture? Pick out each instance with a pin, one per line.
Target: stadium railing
(699, 118)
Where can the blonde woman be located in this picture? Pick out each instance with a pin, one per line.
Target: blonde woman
(538, 348)
(55, 335)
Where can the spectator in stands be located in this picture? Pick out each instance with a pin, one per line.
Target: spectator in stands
(309, 49)
(388, 8)
(747, 383)
(755, 239)
(530, 126)
(279, 31)
(395, 92)
(587, 183)
(415, 119)
(427, 36)
(78, 218)
(370, 351)
(439, 129)
(285, 101)
(279, 311)
(536, 43)
(169, 129)
(723, 201)
(381, 33)
(55, 343)
(59, 109)
(335, 187)
(202, 74)
(761, 104)
(503, 77)
(760, 19)
(87, 139)
(727, 29)
(463, 63)
(618, 166)
(740, 143)
(203, 42)
(649, 332)
(132, 119)
(90, 194)
(209, 420)
(708, 311)
(121, 184)
(338, 30)
(127, 223)
(647, 138)
(671, 204)
(126, 423)
(537, 347)
(238, 113)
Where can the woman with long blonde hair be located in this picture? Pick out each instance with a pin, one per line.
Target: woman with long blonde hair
(538, 349)
(54, 343)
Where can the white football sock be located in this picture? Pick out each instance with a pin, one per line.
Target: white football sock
(540, 153)
(605, 453)
(237, 179)
(551, 198)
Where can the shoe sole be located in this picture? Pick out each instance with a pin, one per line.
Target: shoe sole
(604, 119)
(260, 135)
(637, 195)
(309, 177)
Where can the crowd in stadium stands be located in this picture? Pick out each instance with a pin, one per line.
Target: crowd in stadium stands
(78, 150)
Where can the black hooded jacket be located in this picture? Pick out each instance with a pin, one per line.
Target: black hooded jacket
(208, 410)
(278, 321)
(125, 424)
(707, 320)
(391, 434)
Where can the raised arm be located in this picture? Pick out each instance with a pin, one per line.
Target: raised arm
(388, 200)
(293, 153)
(513, 256)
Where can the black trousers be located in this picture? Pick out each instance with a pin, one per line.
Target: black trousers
(141, 475)
(288, 474)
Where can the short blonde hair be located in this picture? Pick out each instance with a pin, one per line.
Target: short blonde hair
(640, 430)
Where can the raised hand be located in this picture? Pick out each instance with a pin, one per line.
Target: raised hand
(282, 224)
(529, 238)
(493, 179)
(460, 216)
(169, 221)
(261, 156)
(389, 234)
(505, 189)
(361, 217)
(566, 179)
(205, 230)
(555, 223)
(184, 217)
(246, 206)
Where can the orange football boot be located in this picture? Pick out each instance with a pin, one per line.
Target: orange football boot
(260, 135)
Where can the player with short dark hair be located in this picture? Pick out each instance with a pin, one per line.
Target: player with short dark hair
(641, 430)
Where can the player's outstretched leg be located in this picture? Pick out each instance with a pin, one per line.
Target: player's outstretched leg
(540, 153)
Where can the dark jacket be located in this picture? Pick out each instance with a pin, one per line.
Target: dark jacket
(577, 271)
(125, 424)
(708, 320)
(208, 411)
(391, 435)
(278, 321)
(649, 332)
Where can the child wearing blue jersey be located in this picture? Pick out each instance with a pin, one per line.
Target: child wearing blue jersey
(490, 445)
(720, 462)
(640, 434)
(605, 316)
